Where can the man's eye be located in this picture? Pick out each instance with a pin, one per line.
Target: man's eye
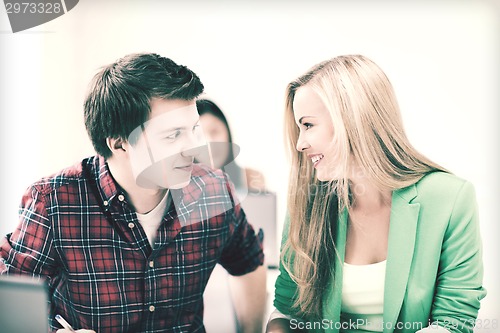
(195, 127)
(174, 135)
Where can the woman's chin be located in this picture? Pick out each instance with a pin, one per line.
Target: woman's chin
(323, 176)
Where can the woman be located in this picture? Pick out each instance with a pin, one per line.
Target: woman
(216, 129)
(379, 238)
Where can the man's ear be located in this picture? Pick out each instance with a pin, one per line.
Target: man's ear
(117, 145)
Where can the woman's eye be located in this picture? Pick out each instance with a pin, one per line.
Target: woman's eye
(195, 127)
(308, 125)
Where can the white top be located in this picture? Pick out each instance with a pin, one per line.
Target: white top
(363, 300)
(151, 220)
(363, 297)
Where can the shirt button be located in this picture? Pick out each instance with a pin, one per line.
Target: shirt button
(121, 197)
(151, 264)
(151, 308)
(105, 203)
(131, 225)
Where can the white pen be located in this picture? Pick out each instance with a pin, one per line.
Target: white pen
(64, 323)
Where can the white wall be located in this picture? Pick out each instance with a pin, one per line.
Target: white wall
(443, 61)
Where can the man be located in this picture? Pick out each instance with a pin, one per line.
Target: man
(127, 239)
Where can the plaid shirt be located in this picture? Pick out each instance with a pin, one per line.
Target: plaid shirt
(78, 230)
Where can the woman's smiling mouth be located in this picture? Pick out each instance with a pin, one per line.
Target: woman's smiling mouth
(316, 159)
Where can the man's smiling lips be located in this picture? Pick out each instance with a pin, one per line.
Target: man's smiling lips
(187, 167)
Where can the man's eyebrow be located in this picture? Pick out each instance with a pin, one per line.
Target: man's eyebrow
(302, 118)
(172, 129)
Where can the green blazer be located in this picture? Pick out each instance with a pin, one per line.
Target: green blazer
(434, 266)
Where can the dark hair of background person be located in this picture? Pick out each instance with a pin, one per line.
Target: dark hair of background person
(234, 171)
(205, 106)
(119, 96)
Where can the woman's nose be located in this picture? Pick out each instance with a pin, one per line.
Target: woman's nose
(301, 144)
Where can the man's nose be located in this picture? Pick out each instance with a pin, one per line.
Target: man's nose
(193, 146)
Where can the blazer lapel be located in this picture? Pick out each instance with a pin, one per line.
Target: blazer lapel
(402, 232)
(333, 302)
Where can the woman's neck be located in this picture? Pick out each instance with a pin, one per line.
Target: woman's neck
(367, 196)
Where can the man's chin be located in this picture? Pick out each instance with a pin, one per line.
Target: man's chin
(178, 184)
(155, 177)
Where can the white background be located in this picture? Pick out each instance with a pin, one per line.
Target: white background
(443, 61)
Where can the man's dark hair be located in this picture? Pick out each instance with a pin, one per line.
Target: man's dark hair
(119, 97)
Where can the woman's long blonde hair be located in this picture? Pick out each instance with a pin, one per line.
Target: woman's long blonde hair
(367, 123)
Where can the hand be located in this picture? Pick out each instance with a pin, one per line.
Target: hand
(281, 325)
(67, 326)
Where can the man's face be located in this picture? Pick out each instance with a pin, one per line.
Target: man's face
(162, 156)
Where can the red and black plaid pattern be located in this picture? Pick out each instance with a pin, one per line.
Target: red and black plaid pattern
(77, 230)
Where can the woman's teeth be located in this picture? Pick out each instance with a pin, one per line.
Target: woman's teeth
(317, 158)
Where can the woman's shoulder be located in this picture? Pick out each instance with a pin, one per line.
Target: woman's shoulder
(438, 185)
(440, 179)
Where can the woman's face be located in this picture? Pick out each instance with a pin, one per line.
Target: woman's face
(215, 131)
(316, 136)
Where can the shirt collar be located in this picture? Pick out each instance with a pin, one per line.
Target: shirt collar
(107, 186)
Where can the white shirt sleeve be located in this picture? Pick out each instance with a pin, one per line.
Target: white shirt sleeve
(433, 329)
(277, 314)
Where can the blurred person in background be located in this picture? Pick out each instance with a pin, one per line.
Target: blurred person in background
(216, 129)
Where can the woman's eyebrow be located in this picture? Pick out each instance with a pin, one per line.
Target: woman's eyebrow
(302, 118)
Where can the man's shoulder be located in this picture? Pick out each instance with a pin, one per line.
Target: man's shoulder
(208, 175)
(209, 184)
(71, 175)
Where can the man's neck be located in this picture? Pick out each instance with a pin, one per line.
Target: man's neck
(144, 200)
